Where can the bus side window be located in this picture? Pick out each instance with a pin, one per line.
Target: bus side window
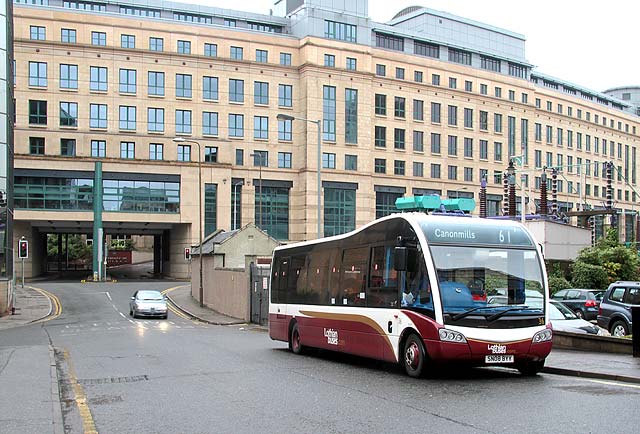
(320, 264)
(279, 281)
(383, 280)
(297, 281)
(353, 276)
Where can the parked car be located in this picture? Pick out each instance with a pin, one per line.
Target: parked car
(563, 319)
(148, 303)
(615, 307)
(583, 302)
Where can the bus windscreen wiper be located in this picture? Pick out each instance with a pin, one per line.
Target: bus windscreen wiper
(466, 313)
(501, 313)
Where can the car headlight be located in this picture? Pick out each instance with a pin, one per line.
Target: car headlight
(543, 336)
(447, 335)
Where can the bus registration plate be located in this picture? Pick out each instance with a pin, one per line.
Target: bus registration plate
(499, 358)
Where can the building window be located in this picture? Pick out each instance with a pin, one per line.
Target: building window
(381, 70)
(68, 76)
(210, 154)
(435, 112)
(435, 143)
(68, 147)
(380, 136)
(98, 78)
(183, 121)
(285, 59)
(484, 150)
(380, 165)
(68, 114)
(261, 93)
(228, 22)
(156, 83)
(237, 53)
(329, 60)
(418, 110)
(339, 211)
(381, 104)
(184, 153)
(329, 113)
(236, 125)
(183, 86)
(435, 171)
(156, 151)
(328, 160)
(155, 120)
(497, 122)
(453, 115)
(36, 145)
(453, 83)
(239, 157)
(285, 95)
(98, 116)
(351, 64)
(156, 44)
(210, 208)
(274, 204)
(418, 141)
(210, 50)
(284, 160)
(425, 49)
(452, 145)
(209, 123)
(127, 150)
(399, 107)
(340, 31)
(418, 76)
(389, 42)
(468, 147)
(468, 174)
(285, 129)
(386, 203)
(459, 56)
(517, 71)
(497, 151)
(350, 162)
(398, 167)
(468, 86)
(452, 172)
(398, 138)
(99, 38)
(184, 47)
(260, 159)
(98, 148)
(435, 79)
(400, 73)
(127, 41)
(68, 36)
(37, 112)
(262, 56)
(128, 80)
(490, 63)
(260, 127)
(236, 90)
(210, 88)
(127, 117)
(351, 116)
(468, 118)
(498, 92)
(418, 169)
(38, 74)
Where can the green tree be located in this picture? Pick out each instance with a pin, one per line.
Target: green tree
(556, 283)
(78, 248)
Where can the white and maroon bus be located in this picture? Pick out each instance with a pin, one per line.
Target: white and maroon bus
(417, 289)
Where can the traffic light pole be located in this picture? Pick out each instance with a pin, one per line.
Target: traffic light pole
(23, 272)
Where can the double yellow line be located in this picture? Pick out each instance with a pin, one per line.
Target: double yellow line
(173, 309)
(56, 306)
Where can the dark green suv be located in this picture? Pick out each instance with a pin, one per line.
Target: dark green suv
(615, 307)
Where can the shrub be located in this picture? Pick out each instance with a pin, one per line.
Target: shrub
(557, 283)
(589, 276)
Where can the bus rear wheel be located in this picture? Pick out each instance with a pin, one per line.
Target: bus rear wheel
(414, 356)
(294, 340)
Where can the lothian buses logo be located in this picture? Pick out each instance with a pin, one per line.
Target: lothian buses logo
(332, 336)
(497, 349)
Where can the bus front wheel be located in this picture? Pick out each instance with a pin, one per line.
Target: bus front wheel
(294, 340)
(530, 369)
(414, 356)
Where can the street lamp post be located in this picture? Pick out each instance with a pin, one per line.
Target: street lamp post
(259, 155)
(283, 117)
(183, 140)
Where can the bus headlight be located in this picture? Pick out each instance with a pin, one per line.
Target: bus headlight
(543, 336)
(451, 336)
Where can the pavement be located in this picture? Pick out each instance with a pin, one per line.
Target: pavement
(33, 305)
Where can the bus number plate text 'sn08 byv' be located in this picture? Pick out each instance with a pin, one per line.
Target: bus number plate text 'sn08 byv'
(499, 358)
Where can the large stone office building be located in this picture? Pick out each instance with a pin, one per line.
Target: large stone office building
(426, 103)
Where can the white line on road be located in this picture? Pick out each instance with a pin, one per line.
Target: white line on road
(108, 296)
(122, 315)
(611, 383)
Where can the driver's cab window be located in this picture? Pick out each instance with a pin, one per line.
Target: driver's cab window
(416, 286)
(383, 280)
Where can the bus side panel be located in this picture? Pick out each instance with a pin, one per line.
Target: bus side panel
(353, 334)
(278, 329)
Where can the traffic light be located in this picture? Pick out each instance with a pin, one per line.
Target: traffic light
(23, 249)
(187, 253)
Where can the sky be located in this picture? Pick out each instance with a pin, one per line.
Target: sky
(588, 43)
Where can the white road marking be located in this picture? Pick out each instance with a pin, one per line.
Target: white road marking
(122, 315)
(108, 296)
(611, 383)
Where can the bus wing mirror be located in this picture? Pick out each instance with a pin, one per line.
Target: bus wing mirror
(400, 258)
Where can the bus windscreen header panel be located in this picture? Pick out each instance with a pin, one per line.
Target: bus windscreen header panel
(469, 232)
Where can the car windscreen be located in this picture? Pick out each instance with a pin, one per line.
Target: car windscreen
(149, 295)
(488, 279)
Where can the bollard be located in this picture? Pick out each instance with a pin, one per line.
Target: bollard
(635, 330)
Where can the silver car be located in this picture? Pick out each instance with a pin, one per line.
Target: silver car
(563, 319)
(148, 303)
